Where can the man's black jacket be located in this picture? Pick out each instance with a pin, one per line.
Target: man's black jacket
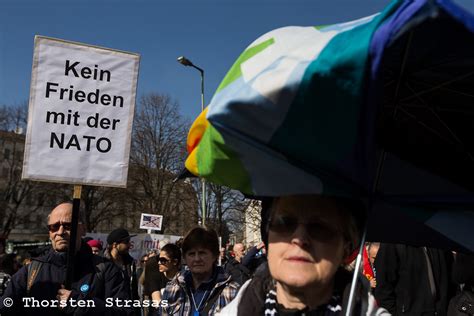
(252, 261)
(403, 285)
(239, 272)
(129, 271)
(98, 278)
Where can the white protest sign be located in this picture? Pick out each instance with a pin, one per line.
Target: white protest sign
(151, 221)
(142, 243)
(80, 115)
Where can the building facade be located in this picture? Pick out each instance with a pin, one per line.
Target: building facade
(252, 224)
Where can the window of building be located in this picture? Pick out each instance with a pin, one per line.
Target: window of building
(6, 153)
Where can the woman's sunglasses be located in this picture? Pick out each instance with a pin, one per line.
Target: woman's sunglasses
(287, 225)
(162, 260)
(55, 227)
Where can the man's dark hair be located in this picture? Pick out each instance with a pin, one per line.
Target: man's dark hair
(201, 237)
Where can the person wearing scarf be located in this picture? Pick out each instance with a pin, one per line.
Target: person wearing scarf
(308, 238)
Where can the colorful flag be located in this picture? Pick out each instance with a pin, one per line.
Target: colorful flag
(378, 108)
(269, 117)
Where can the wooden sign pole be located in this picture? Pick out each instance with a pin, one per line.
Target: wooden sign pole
(76, 202)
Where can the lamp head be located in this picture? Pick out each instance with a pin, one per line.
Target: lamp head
(184, 61)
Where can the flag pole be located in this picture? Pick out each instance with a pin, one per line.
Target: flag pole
(356, 272)
(76, 202)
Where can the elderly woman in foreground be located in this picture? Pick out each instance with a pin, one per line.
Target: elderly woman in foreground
(308, 238)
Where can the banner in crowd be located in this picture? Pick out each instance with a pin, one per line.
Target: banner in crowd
(140, 244)
(80, 115)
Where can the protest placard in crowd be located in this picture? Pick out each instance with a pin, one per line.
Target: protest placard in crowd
(81, 107)
(151, 221)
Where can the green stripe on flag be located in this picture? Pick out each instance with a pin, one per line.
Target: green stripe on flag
(219, 164)
(235, 72)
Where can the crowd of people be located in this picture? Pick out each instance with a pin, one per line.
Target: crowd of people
(303, 266)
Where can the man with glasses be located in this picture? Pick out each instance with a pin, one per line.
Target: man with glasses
(38, 288)
(118, 247)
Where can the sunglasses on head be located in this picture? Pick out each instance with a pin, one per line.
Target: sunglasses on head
(55, 227)
(162, 260)
(287, 225)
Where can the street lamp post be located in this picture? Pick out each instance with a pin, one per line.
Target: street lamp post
(186, 62)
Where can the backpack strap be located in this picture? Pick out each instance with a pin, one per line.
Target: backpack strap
(35, 266)
(33, 269)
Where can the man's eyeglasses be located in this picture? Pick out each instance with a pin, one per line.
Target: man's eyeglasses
(55, 227)
(162, 260)
(287, 225)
